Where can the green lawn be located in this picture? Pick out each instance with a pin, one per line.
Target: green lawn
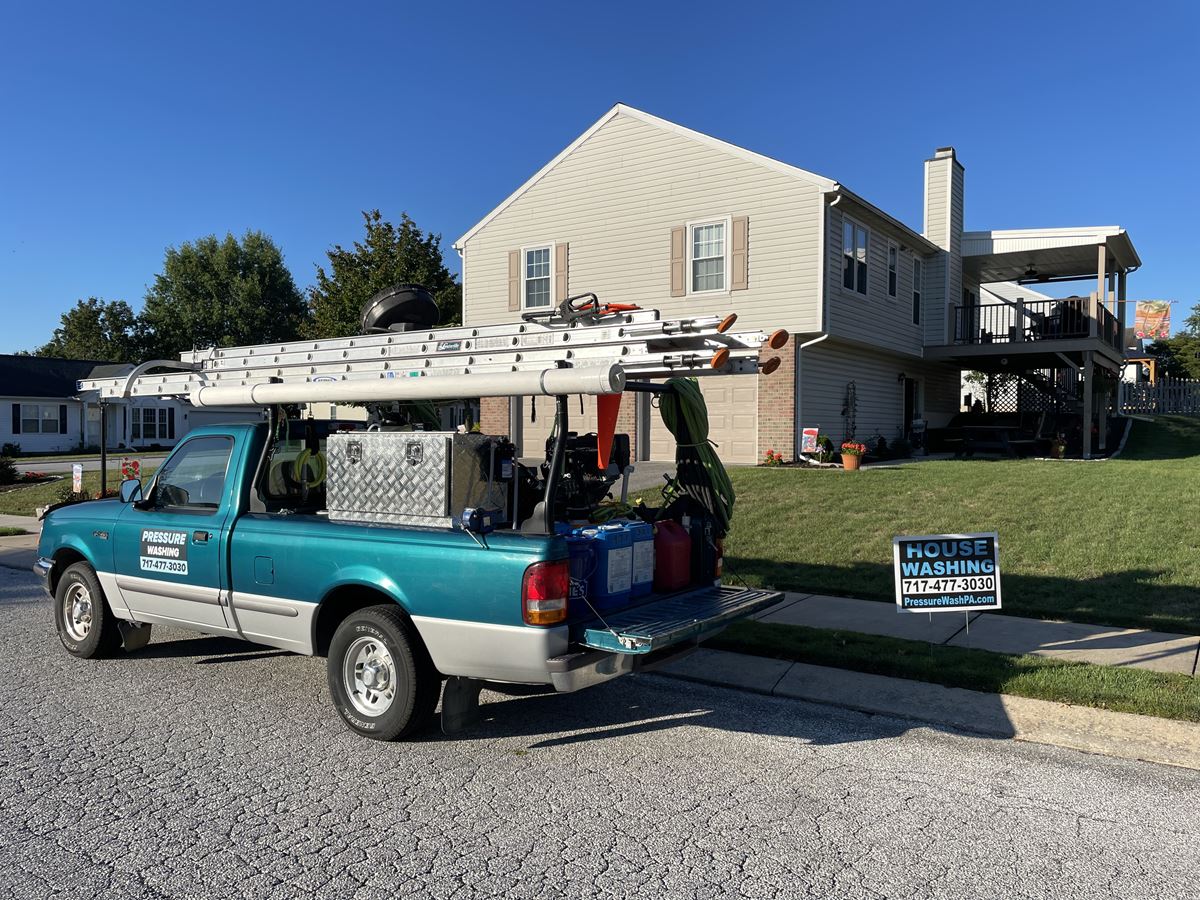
(23, 501)
(1107, 687)
(1113, 542)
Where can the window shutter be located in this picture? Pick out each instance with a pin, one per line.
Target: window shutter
(514, 280)
(560, 272)
(678, 261)
(62, 418)
(16, 429)
(171, 423)
(739, 274)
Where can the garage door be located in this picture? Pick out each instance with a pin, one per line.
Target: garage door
(732, 420)
(536, 433)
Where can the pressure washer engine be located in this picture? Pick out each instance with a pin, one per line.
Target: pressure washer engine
(584, 484)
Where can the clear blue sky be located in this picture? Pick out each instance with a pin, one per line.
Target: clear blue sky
(127, 130)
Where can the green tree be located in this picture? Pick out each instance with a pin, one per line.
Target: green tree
(222, 292)
(389, 254)
(96, 329)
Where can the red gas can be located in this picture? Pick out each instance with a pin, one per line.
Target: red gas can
(672, 557)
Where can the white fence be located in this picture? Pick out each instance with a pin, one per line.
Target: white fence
(1169, 395)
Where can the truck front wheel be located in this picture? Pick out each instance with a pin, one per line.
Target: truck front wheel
(380, 677)
(82, 618)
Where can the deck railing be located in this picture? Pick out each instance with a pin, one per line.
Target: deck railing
(1033, 320)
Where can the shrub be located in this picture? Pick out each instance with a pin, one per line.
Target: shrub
(8, 472)
(10, 449)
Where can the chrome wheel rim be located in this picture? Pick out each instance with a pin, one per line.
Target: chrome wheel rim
(369, 676)
(78, 611)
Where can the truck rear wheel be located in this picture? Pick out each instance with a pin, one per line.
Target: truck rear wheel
(380, 678)
(85, 625)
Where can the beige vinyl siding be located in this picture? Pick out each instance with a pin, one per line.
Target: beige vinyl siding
(877, 318)
(616, 199)
(827, 368)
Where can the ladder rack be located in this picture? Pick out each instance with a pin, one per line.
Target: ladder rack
(551, 356)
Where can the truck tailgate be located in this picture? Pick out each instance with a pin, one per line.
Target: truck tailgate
(674, 618)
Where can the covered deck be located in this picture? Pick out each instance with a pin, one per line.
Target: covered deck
(1039, 337)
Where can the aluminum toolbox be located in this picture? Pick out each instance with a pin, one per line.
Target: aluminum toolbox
(410, 477)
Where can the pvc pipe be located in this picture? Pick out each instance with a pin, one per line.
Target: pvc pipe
(609, 379)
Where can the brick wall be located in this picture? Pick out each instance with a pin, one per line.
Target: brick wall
(777, 403)
(493, 415)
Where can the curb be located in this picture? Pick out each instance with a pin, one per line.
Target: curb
(1100, 731)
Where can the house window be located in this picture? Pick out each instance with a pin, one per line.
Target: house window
(537, 276)
(918, 287)
(150, 424)
(893, 259)
(854, 256)
(708, 249)
(39, 419)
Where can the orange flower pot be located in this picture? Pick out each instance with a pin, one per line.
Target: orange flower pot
(850, 462)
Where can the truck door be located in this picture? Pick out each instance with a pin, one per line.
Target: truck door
(170, 555)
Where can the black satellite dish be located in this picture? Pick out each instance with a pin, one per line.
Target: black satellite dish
(401, 307)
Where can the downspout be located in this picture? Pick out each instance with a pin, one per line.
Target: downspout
(822, 286)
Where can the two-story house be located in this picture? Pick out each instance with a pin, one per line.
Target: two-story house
(883, 318)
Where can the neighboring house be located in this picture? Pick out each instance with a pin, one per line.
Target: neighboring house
(47, 413)
(883, 318)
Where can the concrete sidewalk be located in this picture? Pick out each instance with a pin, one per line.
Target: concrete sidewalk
(1100, 644)
(19, 551)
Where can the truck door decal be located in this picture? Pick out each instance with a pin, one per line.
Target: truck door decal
(164, 551)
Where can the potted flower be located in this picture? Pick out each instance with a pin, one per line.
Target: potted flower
(852, 454)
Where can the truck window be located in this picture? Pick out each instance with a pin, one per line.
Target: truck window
(193, 479)
(295, 477)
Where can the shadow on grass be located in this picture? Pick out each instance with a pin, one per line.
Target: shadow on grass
(1132, 599)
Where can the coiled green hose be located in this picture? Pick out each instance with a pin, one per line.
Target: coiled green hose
(699, 471)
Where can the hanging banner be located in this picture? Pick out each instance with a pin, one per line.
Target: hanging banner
(808, 440)
(1152, 319)
(947, 572)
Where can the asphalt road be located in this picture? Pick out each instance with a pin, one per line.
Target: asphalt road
(204, 768)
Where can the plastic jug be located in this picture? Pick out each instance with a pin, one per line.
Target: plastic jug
(672, 557)
(612, 579)
(643, 557)
(581, 550)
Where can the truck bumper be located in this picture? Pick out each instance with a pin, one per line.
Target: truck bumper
(42, 569)
(587, 667)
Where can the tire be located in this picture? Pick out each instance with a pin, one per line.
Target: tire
(86, 626)
(381, 679)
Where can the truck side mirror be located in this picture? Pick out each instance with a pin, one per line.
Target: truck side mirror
(131, 491)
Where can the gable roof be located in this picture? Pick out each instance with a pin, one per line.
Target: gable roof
(620, 109)
(42, 376)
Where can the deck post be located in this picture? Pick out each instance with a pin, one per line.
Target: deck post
(1121, 302)
(1089, 382)
(1020, 335)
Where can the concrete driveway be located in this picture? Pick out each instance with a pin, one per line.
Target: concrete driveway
(204, 767)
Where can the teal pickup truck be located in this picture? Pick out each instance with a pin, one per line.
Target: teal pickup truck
(210, 545)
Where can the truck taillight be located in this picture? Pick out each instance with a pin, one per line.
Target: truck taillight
(719, 565)
(544, 593)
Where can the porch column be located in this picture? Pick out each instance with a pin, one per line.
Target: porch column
(1089, 386)
(1121, 302)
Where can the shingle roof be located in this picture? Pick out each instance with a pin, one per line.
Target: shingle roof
(42, 376)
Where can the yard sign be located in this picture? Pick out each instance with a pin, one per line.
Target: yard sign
(947, 572)
(808, 440)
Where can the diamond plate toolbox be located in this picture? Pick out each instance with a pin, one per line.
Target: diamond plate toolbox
(410, 477)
